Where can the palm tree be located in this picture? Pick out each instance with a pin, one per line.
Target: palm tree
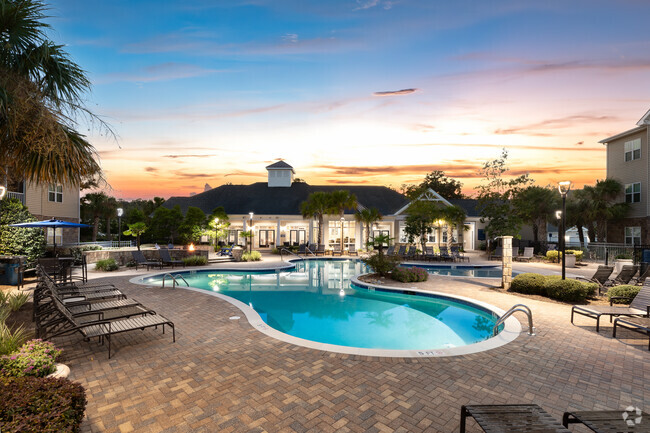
(368, 216)
(110, 210)
(94, 206)
(339, 201)
(578, 212)
(316, 206)
(603, 197)
(41, 91)
(455, 217)
(536, 205)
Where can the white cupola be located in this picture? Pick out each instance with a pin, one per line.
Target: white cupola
(280, 175)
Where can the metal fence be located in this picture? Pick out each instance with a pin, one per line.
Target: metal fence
(104, 244)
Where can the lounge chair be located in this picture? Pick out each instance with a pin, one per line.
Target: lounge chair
(167, 259)
(640, 306)
(642, 277)
(107, 328)
(626, 275)
(410, 254)
(302, 249)
(337, 250)
(511, 418)
(401, 251)
(529, 253)
(444, 254)
(429, 254)
(497, 254)
(320, 251)
(391, 250)
(140, 260)
(455, 252)
(352, 251)
(600, 277)
(636, 324)
(312, 248)
(607, 420)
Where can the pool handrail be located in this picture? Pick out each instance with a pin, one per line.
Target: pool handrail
(290, 252)
(516, 308)
(174, 282)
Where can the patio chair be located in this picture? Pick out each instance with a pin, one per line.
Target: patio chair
(140, 260)
(529, 253)
(625, 276)
(600, 277)
(391, 250)
(226, 251)
(511, 418)
(642, 277)
(455, 252)
(312, 248)
(497, 254)
(107, 328)
(444, 254)
(429, 254)
(352, 250)
(640, 306)
(302, 249)
(410, 254)
(320, 251)
(167, 259)
(636, 324)
(336, 251)
(401, 251)
(607, 420)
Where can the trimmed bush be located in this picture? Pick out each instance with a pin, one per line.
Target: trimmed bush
(195, 261)
(578, 253)
(44, 405)
(623, 290)
(566, 290)
(529, 283)
(381, 263)
(409, 275)
(34, 358)
(17, 240)
(107, 265)
(254, 256)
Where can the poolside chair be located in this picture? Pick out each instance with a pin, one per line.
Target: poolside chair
(337, 250)
(106, 328)
(320, 251)
(529, 253)
(140, 260)
(401, 251)
(640, 306)
(600, 277)
(455, 252)
(607, 420)
(511, 418)
(391, 250)
(635, 324)
(429, 254)
(642, 277)
(626, 275)
(515, 252)
(444, 254)
(302, 249)
(225, 251)
(410, 254)
(352, 251)
(167, 259)
(497, 254)
(311, 249)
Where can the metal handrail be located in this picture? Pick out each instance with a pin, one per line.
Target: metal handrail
(290, 252)
(174, 282)
(310, 251)
(516, 308)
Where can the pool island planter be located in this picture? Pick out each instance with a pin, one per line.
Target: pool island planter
(511, 328)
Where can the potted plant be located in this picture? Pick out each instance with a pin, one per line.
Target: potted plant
(621, 260)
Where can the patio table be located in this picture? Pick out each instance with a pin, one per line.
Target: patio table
(511, 418)
(610, 421)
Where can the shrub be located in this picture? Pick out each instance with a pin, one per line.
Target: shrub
(275, 251)
(566, 290)
(623, 290)
(11, 340)
(4, 313)
(34, 358)
(409, 275)
(254, 256)
(106, 265)
(17, 240)
(77, 252)
(623, 257)
(195, 261)
(529, 283)
(578, 253)
(17, 300)
(381, 264)
(47, 405)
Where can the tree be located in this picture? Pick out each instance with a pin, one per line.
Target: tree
(166, 222)
(578, 214)
(604, 205)
(420, 220)
(193, 225)
(18, 240)
(339, 201)
(316, 206)
(368, 216)
(536, 205)
(495, 195)
(136, 229)
(41, 98)
(218, 221)
(110, 210)
(93, 206)
(436, 180)
(455, 217)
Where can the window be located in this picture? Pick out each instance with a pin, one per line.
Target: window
(633, 192)
(632, 235)
(51, 233)
(55, 193)
(633, 149)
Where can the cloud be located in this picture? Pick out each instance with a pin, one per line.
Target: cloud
(187, 156)
(395, 92)
(150, 169)
(422, 127)
(290, 37)
(559, 123)
(245, 173)
(501, 146)
(369, 4)
(160, 72)
(179, 174)
(346, 182)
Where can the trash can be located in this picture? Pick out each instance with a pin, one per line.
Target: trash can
(644, 267)
(11, 267)
(646, 256)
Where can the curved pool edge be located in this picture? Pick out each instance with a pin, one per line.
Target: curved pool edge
(511, 330)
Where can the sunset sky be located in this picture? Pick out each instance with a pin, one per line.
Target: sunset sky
(355, 92)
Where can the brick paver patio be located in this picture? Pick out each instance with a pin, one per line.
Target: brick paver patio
(223, 375)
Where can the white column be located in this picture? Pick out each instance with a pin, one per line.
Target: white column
(310, 238)
(359, 240)
(278, 240)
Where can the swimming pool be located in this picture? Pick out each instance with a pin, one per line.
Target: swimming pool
(480, 271)
(316, 302)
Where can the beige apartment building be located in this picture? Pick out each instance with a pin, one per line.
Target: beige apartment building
(628, 160)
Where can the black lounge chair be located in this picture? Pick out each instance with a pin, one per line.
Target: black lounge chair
(410, 254)
(167, 259)
(444, 254)
(625, 276)
(640, 306)
(511, 418)
(529, 253)
(401, 252)
(600, 277)
(107, 328)
(352, 251)
(312, 248)
(608, 420)
(391, 250)
(302, 249)
(140, 260)
(320, 251)
(497, 254)
(337, 250)
(636, 324)
(455, 252)
(642, 277)
(429, 254)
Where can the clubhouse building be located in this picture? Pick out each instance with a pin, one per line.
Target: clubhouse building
(272, 211)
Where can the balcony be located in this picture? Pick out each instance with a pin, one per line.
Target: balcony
(19, 195)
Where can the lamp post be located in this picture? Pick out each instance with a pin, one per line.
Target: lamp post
(120, 212)
(216, 233)
(564, 188)
(250, 249)
(342, 221)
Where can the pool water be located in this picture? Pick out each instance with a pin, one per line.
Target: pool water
(462, 270)
(316, 302)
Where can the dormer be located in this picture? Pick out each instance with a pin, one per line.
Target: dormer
(645, 120)
(280, 175)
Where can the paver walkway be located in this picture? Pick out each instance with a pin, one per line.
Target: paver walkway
(222, 375)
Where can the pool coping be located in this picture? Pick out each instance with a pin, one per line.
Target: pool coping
(511, 330)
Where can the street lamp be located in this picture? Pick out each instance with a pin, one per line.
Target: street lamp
(251, 232)
(342, 221)
(216, 233)
(564, 188)
(120, 212)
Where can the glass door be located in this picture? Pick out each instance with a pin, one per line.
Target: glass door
(297, 237)
(266, 238)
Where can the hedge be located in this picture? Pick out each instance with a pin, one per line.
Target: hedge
(553, 255)
(552, 286)
(44, 405)
(195, 261)
(107, 265)
(623, 290)
(409, 275)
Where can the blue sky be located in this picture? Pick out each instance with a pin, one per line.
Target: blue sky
(351, 92)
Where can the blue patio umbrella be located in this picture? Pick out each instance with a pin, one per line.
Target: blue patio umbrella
(53, 223)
